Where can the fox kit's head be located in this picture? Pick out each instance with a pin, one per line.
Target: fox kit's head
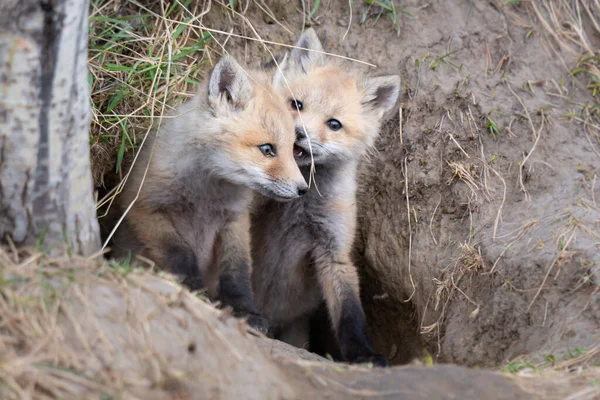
(337, 112)
(252, 133)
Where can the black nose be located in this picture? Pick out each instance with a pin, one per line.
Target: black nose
(302, 190)
(300, 133)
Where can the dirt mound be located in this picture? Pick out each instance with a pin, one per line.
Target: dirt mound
(76, 328)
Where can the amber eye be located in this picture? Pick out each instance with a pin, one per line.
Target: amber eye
(334, 124)
(296, 105)
(268, 150)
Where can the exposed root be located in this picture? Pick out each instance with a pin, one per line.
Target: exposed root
(469, 261)
(414, 288)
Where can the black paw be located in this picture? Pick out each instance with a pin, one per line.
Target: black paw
(258, 322)
(376, 359)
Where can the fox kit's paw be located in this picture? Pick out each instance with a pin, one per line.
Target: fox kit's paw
(376, 359)
(258, 322)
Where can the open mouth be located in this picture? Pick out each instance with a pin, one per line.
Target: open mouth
(299, 152)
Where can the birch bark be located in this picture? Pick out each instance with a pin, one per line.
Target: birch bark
(45, 178)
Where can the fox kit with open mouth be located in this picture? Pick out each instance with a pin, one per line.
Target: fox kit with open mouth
(301, 249)
(191, 217)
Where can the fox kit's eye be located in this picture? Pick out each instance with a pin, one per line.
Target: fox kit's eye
(296, 105)
(334, 124)
(268, 150)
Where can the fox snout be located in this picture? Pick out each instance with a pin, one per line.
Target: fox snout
(284, 191)
(300, 187)
(298, 179)
(290, 183)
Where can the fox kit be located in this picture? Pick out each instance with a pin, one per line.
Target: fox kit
(235, 137)
(301, 249)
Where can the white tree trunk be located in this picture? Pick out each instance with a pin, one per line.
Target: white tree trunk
(45, 177)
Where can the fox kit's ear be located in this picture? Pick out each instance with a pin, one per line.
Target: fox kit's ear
(305, 58)
(279, 76)
(229, 81)
(381, 93)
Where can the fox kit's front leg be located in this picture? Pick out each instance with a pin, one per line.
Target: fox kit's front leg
(233, 257)
(339, 282)
(338, 279)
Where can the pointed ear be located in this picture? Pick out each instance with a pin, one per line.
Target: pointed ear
(229, 80)
(305, 58)
(278, 77)
(381, 93)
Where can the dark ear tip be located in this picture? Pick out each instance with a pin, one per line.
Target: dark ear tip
(226, 62)
(309, 37)
(228, 78)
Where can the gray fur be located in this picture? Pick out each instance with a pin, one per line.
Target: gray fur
(287, 236)
(187, 192)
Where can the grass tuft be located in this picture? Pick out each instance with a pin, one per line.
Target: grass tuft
(141, 59)
(384, 8)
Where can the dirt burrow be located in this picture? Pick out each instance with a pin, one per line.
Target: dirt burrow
(483, 248)
(482, 244)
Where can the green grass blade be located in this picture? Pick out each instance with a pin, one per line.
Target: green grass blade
(314, 9)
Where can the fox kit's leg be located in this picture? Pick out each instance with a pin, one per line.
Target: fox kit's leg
(164, 245)
(338, 279)
(339, 282)
(233, 252)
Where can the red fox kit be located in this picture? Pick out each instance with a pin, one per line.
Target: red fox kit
(191, 216)
(301, 249)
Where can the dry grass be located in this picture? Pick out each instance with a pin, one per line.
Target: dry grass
(143, 60)
(578, 367)
(469, 262)
(36, 360)
(45, 345)
(74, 328)
(557, 384)
(466, 174)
